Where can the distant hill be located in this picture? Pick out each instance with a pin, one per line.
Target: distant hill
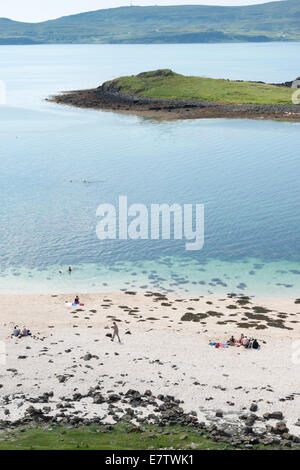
(19, 41)
(275, 21)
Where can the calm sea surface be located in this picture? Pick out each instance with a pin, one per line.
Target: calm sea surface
(245, 172)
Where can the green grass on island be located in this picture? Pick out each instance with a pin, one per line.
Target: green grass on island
(170, 85)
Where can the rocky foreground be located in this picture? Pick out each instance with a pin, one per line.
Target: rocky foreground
(146, 409)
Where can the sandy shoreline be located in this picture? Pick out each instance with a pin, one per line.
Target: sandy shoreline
(159, 352)
(169, 110)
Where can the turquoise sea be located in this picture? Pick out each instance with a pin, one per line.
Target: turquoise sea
(245, 172)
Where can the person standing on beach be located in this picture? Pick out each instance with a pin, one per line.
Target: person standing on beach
(115, 332)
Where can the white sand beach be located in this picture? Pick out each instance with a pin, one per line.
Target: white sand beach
(158, 351)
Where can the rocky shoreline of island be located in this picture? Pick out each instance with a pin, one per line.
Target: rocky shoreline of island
(109, 98)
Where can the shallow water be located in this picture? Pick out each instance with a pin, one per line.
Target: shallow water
(246, 173)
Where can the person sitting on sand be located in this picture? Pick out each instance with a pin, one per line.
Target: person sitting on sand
(241, 339)
(115, 332)
(231, 341)
(25, 332)
(255, 344)
(248, 344)
(244, 341)
(16, 332)
(76, 301)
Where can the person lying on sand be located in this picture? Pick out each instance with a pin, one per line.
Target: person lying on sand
(115, 332)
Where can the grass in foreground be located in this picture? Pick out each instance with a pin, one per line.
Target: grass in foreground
(167, 84)
(99, 438)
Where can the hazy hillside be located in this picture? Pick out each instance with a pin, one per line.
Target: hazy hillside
(271, 21)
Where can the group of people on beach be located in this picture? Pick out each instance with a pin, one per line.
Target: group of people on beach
(18, 333)
(248, 343)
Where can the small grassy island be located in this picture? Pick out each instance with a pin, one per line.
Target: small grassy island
(166, 84)
(165, 94)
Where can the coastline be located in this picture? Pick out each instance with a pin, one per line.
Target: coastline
(160, 351)
(212, 278)
(277, 317)
(106, 98)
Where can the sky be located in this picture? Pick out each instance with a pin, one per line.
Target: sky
(40, 10)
